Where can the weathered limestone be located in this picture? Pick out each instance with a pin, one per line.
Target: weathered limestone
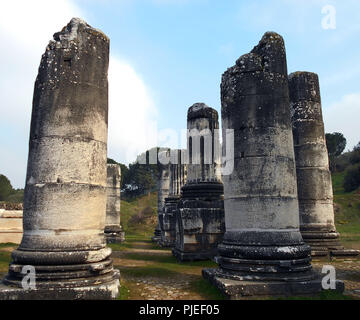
(178, 175)
(163, 190)
(113, 229)
(65, 192)
(11, 228)
(263, 252)
(315, 191)
(200, 214)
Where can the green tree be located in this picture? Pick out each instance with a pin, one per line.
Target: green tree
(352, 178)
(6, 188)
(335, 143)
(355, 154)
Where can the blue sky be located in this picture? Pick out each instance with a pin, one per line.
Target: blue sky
(167, 55)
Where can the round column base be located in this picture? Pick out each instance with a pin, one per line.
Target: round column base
(326, 243)
(115, 237)
(29, 257)
(236, 288)
(193, 256)
(105, 291)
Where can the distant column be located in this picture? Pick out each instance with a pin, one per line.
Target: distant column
(200, 221)
(163, 187)
(263, 252)
(315, 191)
(113, 229)
(65, 192)
(177, 179)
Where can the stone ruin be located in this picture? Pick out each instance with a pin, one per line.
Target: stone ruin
(177, 178)
(200, 212)
(11, 217)
(314, 182)
(163, 187)
(113, 229)
(263, 252)
(65, 192)
(278, 195)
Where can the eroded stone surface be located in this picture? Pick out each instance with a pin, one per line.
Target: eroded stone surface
(262, 240)
(113, 229)
(200, 212)
(65, 191)
(163, 188)
(177, 179)
(314, 182)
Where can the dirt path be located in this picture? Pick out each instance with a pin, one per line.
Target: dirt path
(150, 274)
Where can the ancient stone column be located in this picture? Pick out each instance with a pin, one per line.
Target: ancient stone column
(263, 252)
(163, 188)
(200, 215)
(315, 191)
(177, 178)
(113, 229)
(65, 192)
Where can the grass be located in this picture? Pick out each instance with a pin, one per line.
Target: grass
(5, 258)
(347, 210)
(124, 291)
(130, 208)
(206, 290)
(7, 245)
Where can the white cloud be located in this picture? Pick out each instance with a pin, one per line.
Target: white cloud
(25, 30)
(343, 116)
(132, 114)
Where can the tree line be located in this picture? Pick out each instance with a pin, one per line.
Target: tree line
(8, 193)
(346, 162)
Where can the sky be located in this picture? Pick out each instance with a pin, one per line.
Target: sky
(168, 54)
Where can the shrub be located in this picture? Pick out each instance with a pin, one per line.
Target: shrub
(352, 178)
(5, 188)
(355, 156)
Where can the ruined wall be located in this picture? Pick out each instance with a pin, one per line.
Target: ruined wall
(11, 228)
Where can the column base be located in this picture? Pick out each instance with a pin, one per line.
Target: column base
(50, 280)
(157, 236)
(167, 241)
(155, 239)
(193, 256)
(242, 287)
(200, 221)
(324, 244)
(116, 237)
(105, 291)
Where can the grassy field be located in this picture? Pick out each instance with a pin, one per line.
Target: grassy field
(146, 207)
(347, 212)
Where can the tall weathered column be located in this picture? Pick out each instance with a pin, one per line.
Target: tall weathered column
(65, 192)
(163, 187)
(263, 251)
(315, 191)
(200, 221)
(113, 229)
(177, 178)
